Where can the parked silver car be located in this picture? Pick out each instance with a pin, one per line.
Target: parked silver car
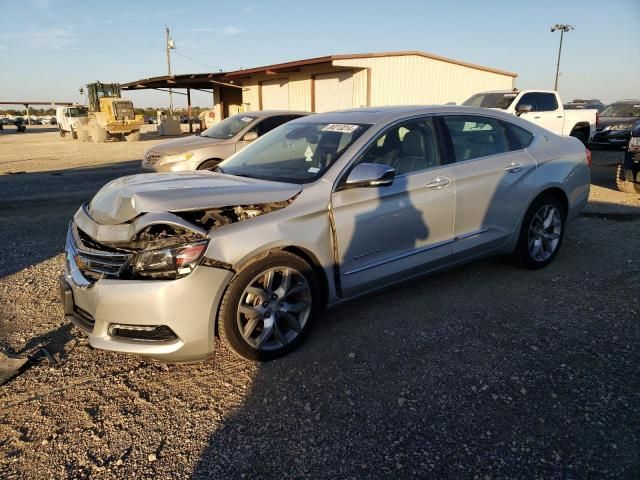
(319, 211)
(207, 149)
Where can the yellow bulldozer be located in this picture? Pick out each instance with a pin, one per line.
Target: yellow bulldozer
(110, 116)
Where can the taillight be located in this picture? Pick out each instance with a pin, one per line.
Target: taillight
(588, 153)
(597, 119)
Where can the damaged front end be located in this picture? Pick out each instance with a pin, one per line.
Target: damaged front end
(152, 246)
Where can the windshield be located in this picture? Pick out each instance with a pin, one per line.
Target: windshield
(229, 127)
(296, 152)
(78, 112)
(622, 110)
(491, 100)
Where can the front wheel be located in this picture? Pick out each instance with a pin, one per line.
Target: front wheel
(541, 233)
(74, 134)
(269, 307)
(209, 164)
(581, 135)
(61, 132)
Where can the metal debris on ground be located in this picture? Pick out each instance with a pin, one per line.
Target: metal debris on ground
(10, 366)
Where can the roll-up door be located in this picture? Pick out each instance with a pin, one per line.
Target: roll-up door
(334, 91)
(275, 94)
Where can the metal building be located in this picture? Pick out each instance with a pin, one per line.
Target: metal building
(339, 81)
(349, 81)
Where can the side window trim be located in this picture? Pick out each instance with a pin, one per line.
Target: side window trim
(342, 177)
(499, 121)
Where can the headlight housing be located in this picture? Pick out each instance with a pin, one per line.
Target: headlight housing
(621, 126)
(634, 144)
(179, 157)
(167, 263)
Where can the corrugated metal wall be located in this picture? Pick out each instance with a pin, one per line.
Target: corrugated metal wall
(394, 80)
(412, 79)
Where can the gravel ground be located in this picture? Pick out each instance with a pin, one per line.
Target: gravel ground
(483, 371)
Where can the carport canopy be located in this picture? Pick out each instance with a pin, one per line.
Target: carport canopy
(204, 82)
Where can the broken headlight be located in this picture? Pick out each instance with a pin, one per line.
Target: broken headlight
(167, 263)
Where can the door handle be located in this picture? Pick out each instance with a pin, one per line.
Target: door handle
(537, 117)
(559, 116)
(513, 167)
(439, 182)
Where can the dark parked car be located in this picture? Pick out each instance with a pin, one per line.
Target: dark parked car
(596, 105)
(615, 123)
(628, 174)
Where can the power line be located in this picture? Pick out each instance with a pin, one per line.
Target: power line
(193, 59)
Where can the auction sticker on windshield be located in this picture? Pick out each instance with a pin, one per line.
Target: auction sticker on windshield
(340, 127)
(246, 119)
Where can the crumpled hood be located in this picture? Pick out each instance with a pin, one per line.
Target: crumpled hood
(125, 198)
(180, 145)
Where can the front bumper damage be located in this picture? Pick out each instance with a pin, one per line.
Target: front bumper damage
(168, 320)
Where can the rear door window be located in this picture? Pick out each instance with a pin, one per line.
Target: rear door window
(476, 136)
(539, 101)
(268, 124)
(519, 138)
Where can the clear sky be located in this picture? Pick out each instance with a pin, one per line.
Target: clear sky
(50, 48)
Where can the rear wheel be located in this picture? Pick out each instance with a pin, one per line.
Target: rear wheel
(83, 134)
(541, 233)
(581, 135)
(74, 134)
(98, 134)
(623, 184)
(269, 307)
(62, 133)
(133, 136)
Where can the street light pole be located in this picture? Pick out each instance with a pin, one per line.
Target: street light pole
(170, 45)
(562, 28)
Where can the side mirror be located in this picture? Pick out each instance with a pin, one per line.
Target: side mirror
(250, 136)
(370, 175)
(525, 108)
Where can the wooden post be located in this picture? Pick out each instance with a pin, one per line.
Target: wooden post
(189, 109)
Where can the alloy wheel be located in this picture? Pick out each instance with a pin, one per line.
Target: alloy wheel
(544, 233)
(274, 308)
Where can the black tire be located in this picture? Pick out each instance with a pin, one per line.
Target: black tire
(522, 254)
(228, 327)
(133, 136)
(625, 185)
(62, 133)
(209, 164)
(581, 135)
(74, 134)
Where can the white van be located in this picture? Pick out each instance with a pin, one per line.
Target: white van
(71, 119)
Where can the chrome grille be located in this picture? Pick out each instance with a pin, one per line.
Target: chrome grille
(94, 260)
(151, 158)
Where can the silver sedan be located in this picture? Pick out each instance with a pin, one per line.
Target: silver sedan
(319, 211)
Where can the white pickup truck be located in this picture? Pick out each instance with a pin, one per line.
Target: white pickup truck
(542, 107)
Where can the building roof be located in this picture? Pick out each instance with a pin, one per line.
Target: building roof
(207, 80)
(279, 67)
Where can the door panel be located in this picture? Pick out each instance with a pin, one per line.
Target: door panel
(387, 233)
(490, 200)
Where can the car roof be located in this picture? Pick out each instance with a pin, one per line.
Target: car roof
(626, 100)
(269, 113)
(373, 115)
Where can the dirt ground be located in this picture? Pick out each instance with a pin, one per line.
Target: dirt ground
(484, 371)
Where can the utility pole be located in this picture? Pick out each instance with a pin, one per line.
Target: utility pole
(562, 28)
(170, 45)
